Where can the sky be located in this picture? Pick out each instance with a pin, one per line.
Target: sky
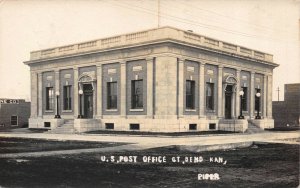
(271, 26)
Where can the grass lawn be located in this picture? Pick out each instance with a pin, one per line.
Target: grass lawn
(264, 165)
(18, 145)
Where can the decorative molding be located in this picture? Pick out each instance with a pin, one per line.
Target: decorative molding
(49, 78)
(137, 68)
(111, 71)
(190, 69)
(67, 76)
(210, 72)
(228, 74)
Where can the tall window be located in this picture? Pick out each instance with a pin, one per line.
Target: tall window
(244, 98)
(257, 99)
(49, 98)
(112, 99)
(190, 94)
(14, 120)
(136, 94)
(67, 98)
(209, 96)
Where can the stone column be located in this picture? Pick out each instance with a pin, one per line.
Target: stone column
(56, 75)
(252, 95)
(150, 87)
(264, 110)
(123, 89)
(180, 87)
(269, 97)
(99, 91)
(237, 94)
(220, 91)
(201, 90)
(40, 94)
(75, 93)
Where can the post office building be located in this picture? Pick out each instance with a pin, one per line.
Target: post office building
(158, 80)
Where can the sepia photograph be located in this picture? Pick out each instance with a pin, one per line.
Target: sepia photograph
(149, 93)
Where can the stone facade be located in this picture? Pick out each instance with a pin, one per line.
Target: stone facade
(160, 80)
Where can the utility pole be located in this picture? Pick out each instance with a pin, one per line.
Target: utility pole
(278, 92)
(158, 13)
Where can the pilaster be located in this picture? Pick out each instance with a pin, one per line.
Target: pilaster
(56, 75)
(99, 91)
(220, 91)
(269, 96)
(76, 98)
(201, 91)
(34, 94)
(264, 110)
(123, 89)
(180, 87)
(237, 94)
(150, 87)
(40, 94)
(252, 94)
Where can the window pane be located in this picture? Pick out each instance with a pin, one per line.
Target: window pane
(67, 98)
(190, 94)
(49, 98)
(14, 120)
(137, 94)
(111, 95)
(209, 96)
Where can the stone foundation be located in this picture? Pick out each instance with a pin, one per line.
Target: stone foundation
(263, 123)
(233, 125)
(43, 123)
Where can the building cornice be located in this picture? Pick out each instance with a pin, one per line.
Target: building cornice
(151, 37)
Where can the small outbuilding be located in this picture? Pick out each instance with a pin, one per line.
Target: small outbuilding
(14, 113)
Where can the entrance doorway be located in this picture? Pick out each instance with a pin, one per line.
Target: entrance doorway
(87, 100)
(228, 102)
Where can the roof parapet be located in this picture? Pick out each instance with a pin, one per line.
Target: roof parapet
(148, 36)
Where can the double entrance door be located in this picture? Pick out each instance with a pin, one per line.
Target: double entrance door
(88, 101)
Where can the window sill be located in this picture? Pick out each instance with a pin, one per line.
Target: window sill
(136, 110)
(210, 111)
(49, 111)
(111, 110)
(67, 111)
(190, 110)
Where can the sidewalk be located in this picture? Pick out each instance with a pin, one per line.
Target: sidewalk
(153, 140)
(202, 142)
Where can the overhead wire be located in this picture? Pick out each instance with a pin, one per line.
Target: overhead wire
(190, 22)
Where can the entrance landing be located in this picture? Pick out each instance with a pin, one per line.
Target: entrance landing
(233, 125)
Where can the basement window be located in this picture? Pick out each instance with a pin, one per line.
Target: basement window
(212, 126)
(134, 126)
(47, 124)
(192, 126)
(109, 125)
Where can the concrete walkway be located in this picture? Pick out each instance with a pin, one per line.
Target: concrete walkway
(137, 142)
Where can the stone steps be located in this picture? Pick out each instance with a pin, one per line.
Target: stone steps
(253, 129)
(66, 128)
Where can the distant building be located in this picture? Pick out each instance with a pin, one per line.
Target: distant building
(158, 80)
(14, 112)
(287, 112)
